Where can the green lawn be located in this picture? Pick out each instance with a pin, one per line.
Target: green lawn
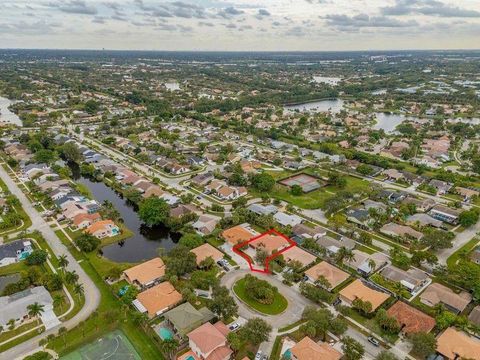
(278, 306)
(452, 260)
(313, 200)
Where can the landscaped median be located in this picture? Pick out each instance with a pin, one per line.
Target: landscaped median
(260, 295)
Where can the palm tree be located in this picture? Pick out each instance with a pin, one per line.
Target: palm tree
(169, 348)
(71, 277)
(345, 254)
(58, 301)
(35, 310)
(371, 264)
(63, 261)
(79, 290)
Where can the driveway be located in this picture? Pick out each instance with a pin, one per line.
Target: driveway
(92, 294)
(459, 240)
(296, 302)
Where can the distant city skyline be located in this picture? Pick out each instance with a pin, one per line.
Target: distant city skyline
(241, 25)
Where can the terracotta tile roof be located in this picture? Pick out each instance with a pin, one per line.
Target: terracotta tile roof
(410, 319)
(99, 225)
(159, 298)
(334, 275)
(207, 338)
(297, 254)
(358, 290)
(78, 219)
(270, 242)
(237, 234)
(307, 349)
(206, 250)
(454, 344)
(146, 272)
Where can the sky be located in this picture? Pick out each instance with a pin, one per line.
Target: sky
(240, 25)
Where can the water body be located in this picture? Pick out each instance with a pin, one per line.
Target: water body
(379, 92)
(333, 105)
(8, 279)
(144, 243)
(6, 116)
(388, 122)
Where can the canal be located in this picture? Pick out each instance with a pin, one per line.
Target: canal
(144, 243)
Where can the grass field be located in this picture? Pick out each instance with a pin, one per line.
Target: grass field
(277, 307)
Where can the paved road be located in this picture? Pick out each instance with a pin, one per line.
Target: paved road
(459, 240)
(92, 294)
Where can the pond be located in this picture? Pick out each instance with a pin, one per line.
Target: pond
(332, 105)
(388, 122)
(6, 116)
(144, 243)
(8, 279)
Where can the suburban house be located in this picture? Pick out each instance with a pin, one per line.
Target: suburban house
(307, 349)
(157, 299)
(423, 220)
(333, 245)
(209, 342)
(401, 231)
(205, 224)
(359, 290)
(297, 254)
(303, 231)
(103, 228)
(83, 221)
(146, 274)
(285, 219)
(238, 234)
(467, 193)
(360, 217)
(16, 307)
(446, 214)
(270, 243)
(422, 205)
(410, 319)
(260, 209)
(474, 315)
(331, 273)
(413, 279)
(184, 318)
(454, 344)
(442, 187)
(365, 263)
(14, 251)
(205, 251)
(437, 293)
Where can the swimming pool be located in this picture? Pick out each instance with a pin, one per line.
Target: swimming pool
(164, 333)
(287, 354)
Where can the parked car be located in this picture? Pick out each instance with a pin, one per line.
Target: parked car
(234, 327)
(373, 341)
(259, 355)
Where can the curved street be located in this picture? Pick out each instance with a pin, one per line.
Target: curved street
(91, 292)
(296, 302)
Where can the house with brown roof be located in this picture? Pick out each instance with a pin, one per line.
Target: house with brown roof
(467, 193)
(401, 231)
(271, 243)
(297, 254)
(437, 293)
(359, 290)
(331, 273)
(410, 319)
(238, 234)
(474, 315)
(182, 210)
(454, 344)
(307, 349)
(209, 342)
(103, 228)
(82, 221)
(146, 273)
(153, 190)
(157, 299)
(205, 251)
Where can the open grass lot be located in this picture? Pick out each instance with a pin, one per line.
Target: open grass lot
(315, 199)
(467, 248)
(277, 307)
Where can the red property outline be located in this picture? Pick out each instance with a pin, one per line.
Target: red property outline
(266, 270)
